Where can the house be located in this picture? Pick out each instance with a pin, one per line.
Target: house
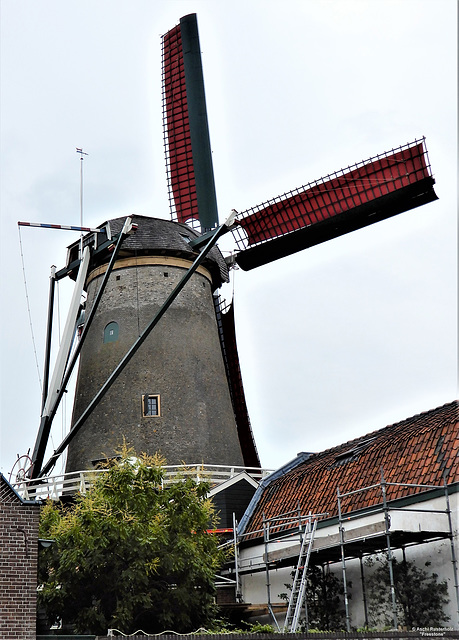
(394, 490)
(19, 521)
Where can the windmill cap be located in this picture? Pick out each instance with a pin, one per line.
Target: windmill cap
(155, 236)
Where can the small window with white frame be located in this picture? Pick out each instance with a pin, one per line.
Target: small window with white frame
(151, 406)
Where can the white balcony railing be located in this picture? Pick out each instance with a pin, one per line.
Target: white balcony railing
(53, 487)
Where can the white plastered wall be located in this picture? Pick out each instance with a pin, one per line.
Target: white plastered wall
(438, 554)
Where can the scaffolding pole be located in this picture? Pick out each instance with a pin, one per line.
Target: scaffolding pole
(238, 594)
(364, 592)
(389, 551)
(343, 561)
(453, 552)
(268, 584)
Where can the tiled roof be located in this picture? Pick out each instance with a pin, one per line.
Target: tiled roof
(418, 450)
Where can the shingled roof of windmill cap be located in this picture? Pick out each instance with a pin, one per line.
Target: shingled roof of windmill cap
(164, 237)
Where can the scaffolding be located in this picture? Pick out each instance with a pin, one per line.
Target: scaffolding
(353, 543)
(278, 529)
(386, 508)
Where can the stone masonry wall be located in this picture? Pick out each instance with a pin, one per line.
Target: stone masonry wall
(180, 362)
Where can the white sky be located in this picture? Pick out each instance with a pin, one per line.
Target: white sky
(334, 342)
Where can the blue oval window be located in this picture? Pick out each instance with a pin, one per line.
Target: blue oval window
(111, 332)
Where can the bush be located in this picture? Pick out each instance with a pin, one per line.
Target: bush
(324, 600)
(130, 554)
(419, 596)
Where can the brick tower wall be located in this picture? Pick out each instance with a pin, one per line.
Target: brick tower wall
(18, 565)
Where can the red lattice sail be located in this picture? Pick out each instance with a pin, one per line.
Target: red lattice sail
(176, 129)
(337, 204)
(185, 126)
(227, 332)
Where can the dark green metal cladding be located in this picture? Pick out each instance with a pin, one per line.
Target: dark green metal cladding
(199, 127)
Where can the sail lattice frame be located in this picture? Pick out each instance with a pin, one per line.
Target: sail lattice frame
(176, 132)
(338, 203)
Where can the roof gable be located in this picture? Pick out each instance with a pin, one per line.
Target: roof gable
(232, 498)
(236, 479)
(419, 450)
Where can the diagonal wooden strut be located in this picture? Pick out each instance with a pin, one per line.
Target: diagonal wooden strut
(63, 371)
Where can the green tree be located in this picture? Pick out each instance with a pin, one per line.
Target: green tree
(419, 596)
(324, 600)
(130, 554)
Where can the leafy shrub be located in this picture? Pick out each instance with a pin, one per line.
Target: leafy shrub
(419, 596)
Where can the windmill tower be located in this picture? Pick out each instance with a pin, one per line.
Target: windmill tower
(174, 396)
(174, 384)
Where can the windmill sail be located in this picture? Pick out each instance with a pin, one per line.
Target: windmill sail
(347, 200)
(227, 332)
(185, 126)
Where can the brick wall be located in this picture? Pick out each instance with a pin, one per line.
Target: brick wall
(18, 564)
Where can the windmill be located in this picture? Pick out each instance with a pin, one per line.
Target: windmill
(178, 388)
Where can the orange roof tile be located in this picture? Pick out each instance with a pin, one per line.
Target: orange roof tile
(418, 450)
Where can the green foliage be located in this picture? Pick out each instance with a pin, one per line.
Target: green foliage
(130, 554)
(223, 627)
(257, 627)
(419, 596)
(324, 599)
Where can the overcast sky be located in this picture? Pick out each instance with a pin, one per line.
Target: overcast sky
(336, 341)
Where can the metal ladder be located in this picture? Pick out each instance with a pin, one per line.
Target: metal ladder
(299, 582)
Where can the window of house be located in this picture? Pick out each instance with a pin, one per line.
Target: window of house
(150, 405)
(111, 332)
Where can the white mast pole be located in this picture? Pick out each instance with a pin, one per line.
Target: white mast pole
(82, 153)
